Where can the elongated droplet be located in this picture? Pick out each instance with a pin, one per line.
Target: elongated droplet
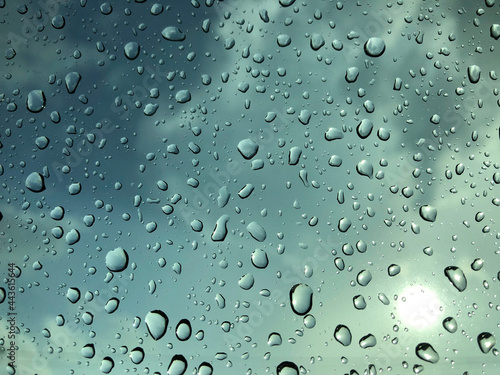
(343, 335)
(456, 277)
(157, 323)
(486, 341)
(301, 299)
(426, 352)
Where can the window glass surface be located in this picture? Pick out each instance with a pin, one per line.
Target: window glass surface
(249, 187)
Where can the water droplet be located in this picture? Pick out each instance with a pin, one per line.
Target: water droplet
(112, 305)
(359, 302)
(301, 296)
(58, 22)
(309, 321)
(486, 341)
(259, 258)
(107, 365)
(426, 352)
(35, 182)
(117, 260)
(173, 34)
(343, 335)
(35, 101)
(477, 264)
(177, 366)
(287, 368)
(344, 224)
(365, 168)
(88, 351)
(72, 80)
(136, 355)
(428, 213)
(183, 96)
(374, 47)
(274, 339)
(393, 270)
(72, 237)
(220, 230)
(205, 369)
(450, 324)
(73, 294)
(183, 330)
(367, 341)
(257, 231)
(351, 74)
(333, 134)
(474, 73)
(248, 148)
(456, 277)
(131, 50)
(364, 277)
(156, 323)
(317, 41)
(284, 40)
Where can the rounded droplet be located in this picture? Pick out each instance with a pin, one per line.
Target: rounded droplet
(287, 368)
(495, 31)
(317, 41)
(88, 351)
(301, 296)
(173, 34)
(426, 352)
(205, 369)
(183, 330)
(58, 22)
(72, 80)
(284, 40)
(259, 258)
(246, 281)
(177, 366)
(257, 231)
(393, 270)
(248, 148)
(374, 47)
(183, 96)
(131, 50)
(343, 335)
(428, 213)
(42, 142)
(274, 339)
(35, 182)
(335, 161)
(486, 341)
(351, 74)
(383, 134)
(367, 341)
(309, 321)
(117, 260)
(477, 264)
(107, 365)
(156, 323)
(150, 109)
(333, 134)
(220, 230)
(364, 277)
(364, 128)
(35, 101)
(344, 224)
(365, 168)
(73, 295)
(72, 237)
(474, 73)
(137, 355)
(112, 305)
(359, 302)
(450, 324)
(456, 277)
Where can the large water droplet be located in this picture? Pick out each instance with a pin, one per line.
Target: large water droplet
(137, 355)
(456, 277)
(183, 96)
(157, 323)
(301, 296)
(474, 73)
(257, 231)
(88, 351)
(428, 213)
(364, 277)
(426, 352)
(368, 341)
(343, 335)
(259, 258)
(173, 34)
(374, 47)
(246, 282)
(35, 182)
(364, 128)
(112, 305)
(177, 366)
(274, 339)
(73, 294)
(287, 368)
(131, 50)
(220, 230)
(117, 260)
(486, 341)
(205, 369)
(35, 101)
(450, 324)
(365, 168)
(72, 80)
(107, 365)
(248, 148)
(183, 330)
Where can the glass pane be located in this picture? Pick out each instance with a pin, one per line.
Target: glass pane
(249, 187)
